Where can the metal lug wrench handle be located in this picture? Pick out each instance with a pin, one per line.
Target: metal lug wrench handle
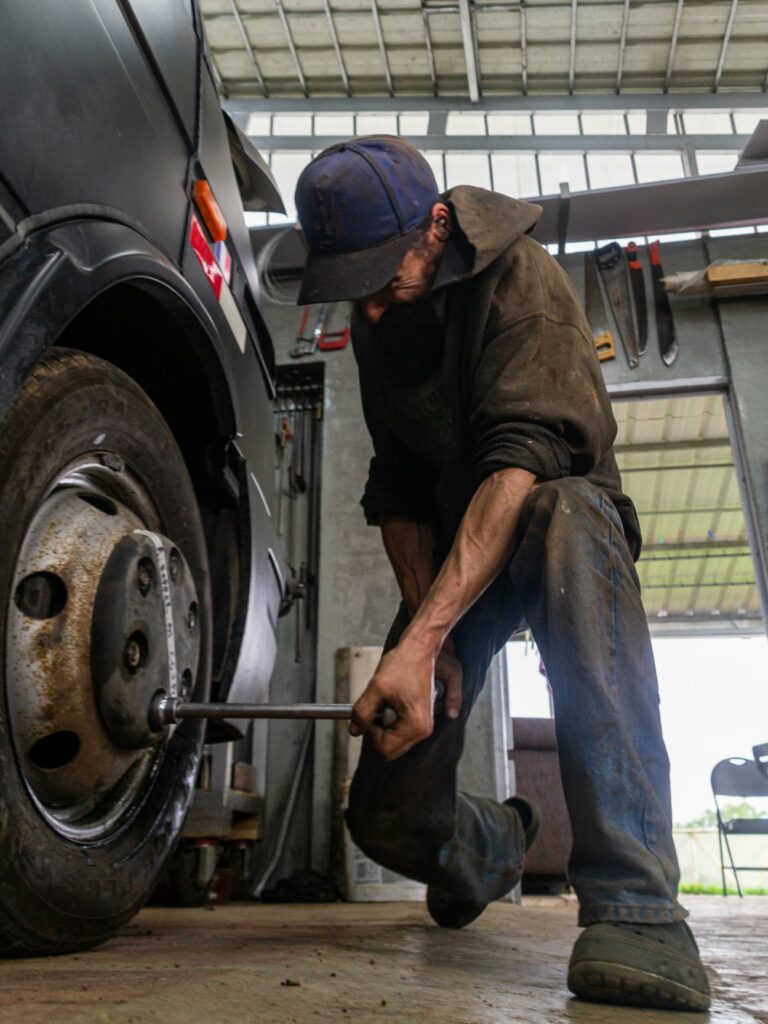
(166, 711)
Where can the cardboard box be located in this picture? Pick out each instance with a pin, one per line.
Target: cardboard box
(360, 879)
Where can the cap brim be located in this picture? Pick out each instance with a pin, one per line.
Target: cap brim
(336, 277)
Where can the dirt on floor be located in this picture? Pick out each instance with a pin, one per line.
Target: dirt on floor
(366, 963)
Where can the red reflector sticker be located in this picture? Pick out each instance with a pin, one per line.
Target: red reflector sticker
(199, 243)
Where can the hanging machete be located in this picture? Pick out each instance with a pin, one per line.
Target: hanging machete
(665, 325)
(612, 266)
(597, 316)
(638, 294)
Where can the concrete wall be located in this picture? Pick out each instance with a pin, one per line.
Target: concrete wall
(358, 597)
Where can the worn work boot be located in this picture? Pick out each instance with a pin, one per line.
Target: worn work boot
(453, 912)
(652, 965)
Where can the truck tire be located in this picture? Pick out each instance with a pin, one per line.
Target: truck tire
(103, 559)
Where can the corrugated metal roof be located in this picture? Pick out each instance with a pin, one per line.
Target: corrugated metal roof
(677, 466)
(417, 47)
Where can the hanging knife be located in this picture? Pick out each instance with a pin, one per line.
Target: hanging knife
(638, 294)
(594, 307)
(611, 264)
(665, 325)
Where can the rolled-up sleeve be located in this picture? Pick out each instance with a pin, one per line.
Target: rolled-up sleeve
(538, 401)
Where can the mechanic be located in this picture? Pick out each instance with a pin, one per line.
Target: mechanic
(497, 492)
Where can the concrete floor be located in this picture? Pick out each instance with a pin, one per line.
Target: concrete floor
(365, 963)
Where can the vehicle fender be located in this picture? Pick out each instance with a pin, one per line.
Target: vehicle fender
(52, 277)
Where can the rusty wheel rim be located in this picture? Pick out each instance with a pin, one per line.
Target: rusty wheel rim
(83, 783)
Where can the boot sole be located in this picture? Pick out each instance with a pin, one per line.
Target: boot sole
(602, 982)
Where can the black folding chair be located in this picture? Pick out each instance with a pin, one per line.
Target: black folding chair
(737, 776)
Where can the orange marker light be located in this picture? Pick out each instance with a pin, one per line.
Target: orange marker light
(209, 210)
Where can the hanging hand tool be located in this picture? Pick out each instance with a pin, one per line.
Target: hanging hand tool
(637, 280)
(595, 310)
(325, 341)
(332, 341)
(282, 437)
(308, 346)
(167, 711)
(665, 325)
(613, 267)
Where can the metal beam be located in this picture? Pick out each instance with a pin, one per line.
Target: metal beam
(692, 545)
(673, 44)
(572, 50)
(247, 43)
(382, 47)
(292, 47)
(517, 104)
(724, 47)
(671, 446)
(622, 46)
(688, 204)
(430, 51)
(470, 59)
(531, 144)
(336, 47)
(703, 510)
(524, 50)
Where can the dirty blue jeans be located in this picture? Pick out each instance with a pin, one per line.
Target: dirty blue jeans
(571, 578)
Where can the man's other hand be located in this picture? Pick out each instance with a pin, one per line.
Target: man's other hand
(448, 670)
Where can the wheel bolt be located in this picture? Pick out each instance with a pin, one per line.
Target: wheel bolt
(132, 654)
(173, 566)
(144, 579)
(192, 617)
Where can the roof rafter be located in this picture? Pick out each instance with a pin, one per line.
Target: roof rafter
(236, 14)
(470, 50)
(622, 46)
(292, 46)
(724, 47)
(673, 44)
(337, 47)
(524, 49)
(382, 47)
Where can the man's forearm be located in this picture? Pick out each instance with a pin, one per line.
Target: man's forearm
(409, 545)
(480, 550)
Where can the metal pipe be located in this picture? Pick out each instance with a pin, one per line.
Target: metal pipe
(247, 42)
(382, 47)
(673, 44)
(292, 46)
(724, 47)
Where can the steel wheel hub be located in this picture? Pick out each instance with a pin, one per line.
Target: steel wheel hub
(102, 618)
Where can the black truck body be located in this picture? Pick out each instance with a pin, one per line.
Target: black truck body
(109, 115)
(140, 559)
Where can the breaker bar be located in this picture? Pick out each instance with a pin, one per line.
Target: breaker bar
(166, 710)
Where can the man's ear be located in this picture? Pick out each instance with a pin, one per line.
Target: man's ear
(441, 225)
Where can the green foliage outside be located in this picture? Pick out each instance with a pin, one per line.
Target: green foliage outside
(717, 890)
(709, 819)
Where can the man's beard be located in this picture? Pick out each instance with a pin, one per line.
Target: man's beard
(409, 340)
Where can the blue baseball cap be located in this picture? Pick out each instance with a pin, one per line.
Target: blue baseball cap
(361, 204)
